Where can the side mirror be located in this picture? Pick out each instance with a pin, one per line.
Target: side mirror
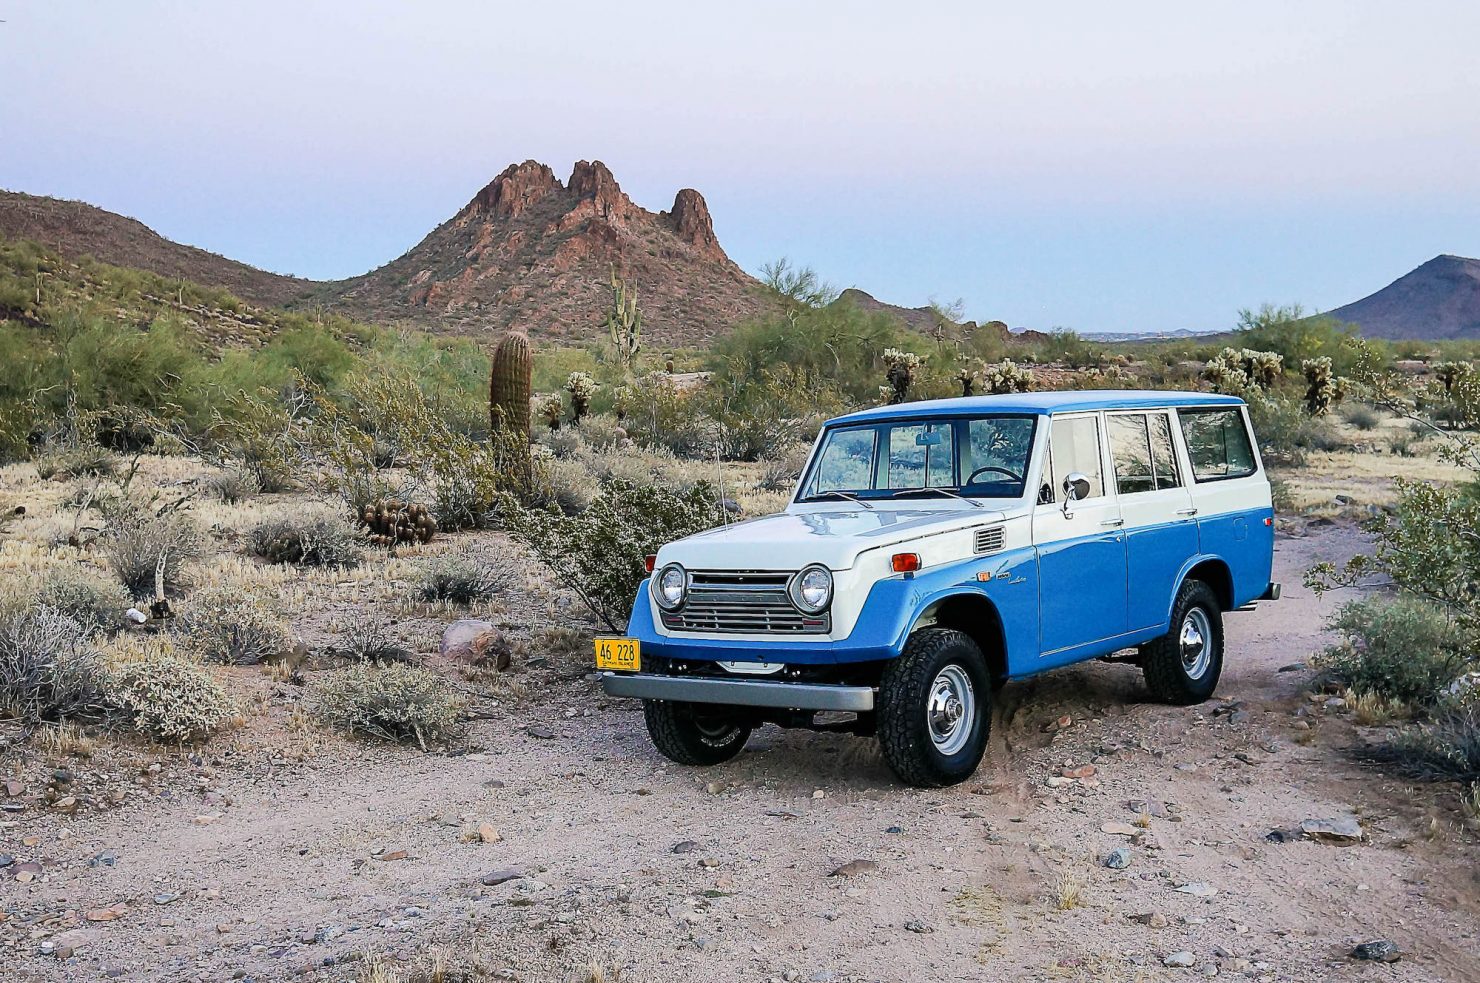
(1076, 486)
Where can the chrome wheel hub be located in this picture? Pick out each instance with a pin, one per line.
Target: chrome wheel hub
(950, 709)
(1196, 643)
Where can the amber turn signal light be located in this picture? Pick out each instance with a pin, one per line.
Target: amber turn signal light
(650, 561)
(905, 562)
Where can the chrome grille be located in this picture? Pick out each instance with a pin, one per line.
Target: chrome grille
(989, 539)
(742, 601)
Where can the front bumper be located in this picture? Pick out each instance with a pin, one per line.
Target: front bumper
(740, 692)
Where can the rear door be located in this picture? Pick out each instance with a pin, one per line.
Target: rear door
(1160, 522)
(1081, 549)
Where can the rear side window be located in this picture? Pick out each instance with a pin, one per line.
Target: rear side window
(1130, 449)
(1075, 447)
(1217, 443)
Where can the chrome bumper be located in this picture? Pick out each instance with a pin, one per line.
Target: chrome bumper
(739, 692)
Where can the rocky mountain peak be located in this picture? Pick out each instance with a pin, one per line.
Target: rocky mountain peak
(690, 220)
(516, 188)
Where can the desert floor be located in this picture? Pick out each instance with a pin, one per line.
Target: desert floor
(305, 856)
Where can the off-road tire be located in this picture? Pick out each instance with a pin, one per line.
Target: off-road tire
(1161, 660)
(686, 732)
(904, 694)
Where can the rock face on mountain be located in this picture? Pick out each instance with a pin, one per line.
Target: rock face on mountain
(531, 252)
(1439, 300)
(75, 228)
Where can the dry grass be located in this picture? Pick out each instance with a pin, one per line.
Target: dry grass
(1068, 889)
(1375, 710)
(65, 740)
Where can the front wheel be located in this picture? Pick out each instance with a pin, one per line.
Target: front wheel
(694, 733)
(935, 709)
(1183, 666)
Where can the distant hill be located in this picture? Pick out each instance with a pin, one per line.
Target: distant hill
(75, 228)
(1439, 300)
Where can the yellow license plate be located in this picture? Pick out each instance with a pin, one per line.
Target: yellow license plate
(622, 654)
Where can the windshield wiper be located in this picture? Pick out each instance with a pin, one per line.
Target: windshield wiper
(840, 494)
(903, 492)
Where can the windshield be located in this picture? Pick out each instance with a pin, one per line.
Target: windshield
(976, 457)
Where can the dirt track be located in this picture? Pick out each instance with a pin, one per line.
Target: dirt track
(286, 881)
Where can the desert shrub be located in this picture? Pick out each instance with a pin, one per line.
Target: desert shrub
(171, 699)
(571, 486)
(782, 468)
(454, 578)
(1445, 748)
(94, 603)
(266, 434)
(49, 671)
(315, 537)
(232, 484)
(1405, 649)
(365, 639)
(81, 461)
(657, 413)
(226, 625)
(147, 550)
(750, 419)
(599, 553)
(392, 701)
(1286, 433)
(1363, 416)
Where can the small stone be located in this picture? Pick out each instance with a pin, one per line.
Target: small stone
(168, 897)
(855, 868)
(487, 834)
(686, 846)
(819, 794)
(1198, 889)
(539, 731)
(497, 877)
(392, 855)
(1378, 950)
(1083, 771)
(1180, 960)
(918, 927)
(1118, 859)
(709, 862)
(106, 914)
(1119, 829)
(105, 859)
(66, 805)
(1339, 830)
(6, 860)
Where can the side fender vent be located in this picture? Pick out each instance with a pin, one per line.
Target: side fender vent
(989, 539)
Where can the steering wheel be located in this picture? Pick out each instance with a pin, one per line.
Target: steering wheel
(971, 479)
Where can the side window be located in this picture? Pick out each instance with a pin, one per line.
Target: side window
(922, 455)
(1163, 458)
(1217, 443)
(846, 462)
(1130, 449)
(1076, 447)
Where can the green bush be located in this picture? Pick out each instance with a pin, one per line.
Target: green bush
(82, 461)
(455, 579)
(146, 550)
(314, 537)
(1445, 748)
(395, 702)
(170, 699)
(223, 624)
(1404, 649)
(599, 553)
(1363, 416)
(49, 672)
(94, 603)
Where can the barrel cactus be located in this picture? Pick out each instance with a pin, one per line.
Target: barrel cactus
(509, 384)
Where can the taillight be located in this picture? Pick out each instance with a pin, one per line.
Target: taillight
(650, 561)
(905, 562)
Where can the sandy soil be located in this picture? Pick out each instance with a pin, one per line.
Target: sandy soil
(265, 866)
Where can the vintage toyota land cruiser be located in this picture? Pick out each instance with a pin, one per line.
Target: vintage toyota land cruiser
(934, 550)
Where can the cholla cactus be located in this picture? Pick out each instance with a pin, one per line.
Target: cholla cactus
(1007, 376)
(1322, 388)
(900, 367)
(552, 407)
(624, 322)
(967, 378)
(581, 387)
(622, 402)
(1450, 373)
(1234, 371)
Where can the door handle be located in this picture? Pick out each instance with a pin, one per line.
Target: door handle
(1187, 511)
(1113, 522)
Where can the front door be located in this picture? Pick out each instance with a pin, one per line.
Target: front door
(1081, 548)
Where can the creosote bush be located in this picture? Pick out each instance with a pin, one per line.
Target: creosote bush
(82, 461)
(392, 701)
(49, 672)
(144, 548)
(454, 578)
(1404, 650)
(232, 484)
(167, 697)
(96, 604)
(315, 537)
(223, 624)
(599, 553)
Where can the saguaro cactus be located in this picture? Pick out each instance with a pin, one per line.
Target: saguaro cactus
(509, 384)
(624, 322)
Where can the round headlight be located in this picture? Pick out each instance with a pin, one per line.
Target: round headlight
(811, 590)
(669, 586)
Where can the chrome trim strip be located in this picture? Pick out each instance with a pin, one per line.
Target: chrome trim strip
(739, 692)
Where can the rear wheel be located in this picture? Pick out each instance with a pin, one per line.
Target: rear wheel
(695, 733)
(1183, 666)
(935, 709)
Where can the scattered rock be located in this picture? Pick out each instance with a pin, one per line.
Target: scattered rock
(918, 927)
(1339, 830)
(1180, 960)
(487, 834)
(6, 860)
(1198, 889)
(1150, 807)
(540, 731)
(1083, 771)
(1118, 859)
(687, 846)
(392, 855)
(106, 914)
(475, 642)
(497, 877)
(168, 897)
(1151, 919)
(66, 805)
(1119, 829)
(1062, 723)
(1292, 667)
(105, 859)
(1378, 950)
(855, 868)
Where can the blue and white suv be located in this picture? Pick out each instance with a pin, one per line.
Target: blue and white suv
(934, 550)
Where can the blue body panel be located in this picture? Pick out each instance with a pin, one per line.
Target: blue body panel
(1086, 602)
(1246, 544)
(1156, 559)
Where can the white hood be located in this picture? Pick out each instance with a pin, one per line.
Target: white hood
(833, 537)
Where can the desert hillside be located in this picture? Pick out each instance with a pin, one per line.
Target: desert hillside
(1439, 300)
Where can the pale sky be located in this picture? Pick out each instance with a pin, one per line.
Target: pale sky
(1115, 167)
